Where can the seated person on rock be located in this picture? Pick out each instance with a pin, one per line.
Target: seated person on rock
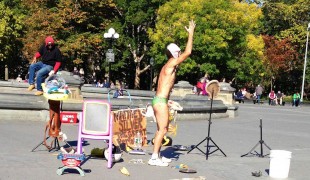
(201, 87)
(50, 62)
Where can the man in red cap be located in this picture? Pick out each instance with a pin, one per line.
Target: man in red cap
(50, 62)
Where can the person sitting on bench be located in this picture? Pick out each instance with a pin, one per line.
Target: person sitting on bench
(272, 98)
(239, 96)
(280, 98)
(296, 99)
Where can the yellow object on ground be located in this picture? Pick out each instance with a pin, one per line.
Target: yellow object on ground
(97, 152)
(183, 166)
(124, 171)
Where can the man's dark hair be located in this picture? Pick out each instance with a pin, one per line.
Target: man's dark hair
(168, 53)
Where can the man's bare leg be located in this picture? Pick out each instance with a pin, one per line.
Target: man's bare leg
(161, 113)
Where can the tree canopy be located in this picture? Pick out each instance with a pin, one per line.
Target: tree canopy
(226, 41)
(287, 21)
(11, 29)
(248, 41)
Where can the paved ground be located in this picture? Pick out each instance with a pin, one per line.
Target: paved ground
(284, 128)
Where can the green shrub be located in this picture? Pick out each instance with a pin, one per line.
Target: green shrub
(287, 98)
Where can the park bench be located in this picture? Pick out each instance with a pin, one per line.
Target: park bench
(255, 101)
(239, 100)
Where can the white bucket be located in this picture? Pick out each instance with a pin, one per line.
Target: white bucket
(279, 163)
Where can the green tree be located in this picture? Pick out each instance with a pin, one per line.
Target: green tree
(11, 26)
(77, 27)
(288, 19)
(226, 41)
(84, 23)
(41, 20)
(134, 19)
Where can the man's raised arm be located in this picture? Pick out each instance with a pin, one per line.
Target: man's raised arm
(189, 46)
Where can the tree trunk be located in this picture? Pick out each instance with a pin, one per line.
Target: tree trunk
(137, 60)
(137, 76)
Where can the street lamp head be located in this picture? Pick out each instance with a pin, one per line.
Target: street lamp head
(116, 36)
(111, 34)
(107, 35)
(111, 31)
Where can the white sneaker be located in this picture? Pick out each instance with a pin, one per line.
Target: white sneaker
(164, 159)
(157, 162)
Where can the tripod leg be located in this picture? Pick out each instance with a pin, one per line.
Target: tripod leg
(208, 149)
(251, 150)
(39, 145)
(196, 146)
(261, 147)
(58, 147)
(266, 145)
(55, 146)
(218, 148)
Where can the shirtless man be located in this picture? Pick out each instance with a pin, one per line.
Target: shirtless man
(165, 83)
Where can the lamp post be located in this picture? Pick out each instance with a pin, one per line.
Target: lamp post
(151, 63)
(110, 35)
(305, 64)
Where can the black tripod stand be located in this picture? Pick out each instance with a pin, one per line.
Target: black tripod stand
(54, 147)
(54, 108)
(261, 142)
(208, 138)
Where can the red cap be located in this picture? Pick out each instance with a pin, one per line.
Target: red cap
(49, 39)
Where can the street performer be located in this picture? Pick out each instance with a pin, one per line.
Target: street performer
(165, 84)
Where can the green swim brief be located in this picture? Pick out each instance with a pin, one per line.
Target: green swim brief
(157, 99)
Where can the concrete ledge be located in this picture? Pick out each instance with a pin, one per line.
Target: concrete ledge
(87, 89)
(17, 103)
(24, 115)
(232, 111)
(13, 84)
(199, 116)
(22, 101)
(204, 108)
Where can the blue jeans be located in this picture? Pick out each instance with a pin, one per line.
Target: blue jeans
(258, 98)
(296, 102)
(42, 72)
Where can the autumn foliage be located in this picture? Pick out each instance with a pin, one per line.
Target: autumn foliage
(280, 55)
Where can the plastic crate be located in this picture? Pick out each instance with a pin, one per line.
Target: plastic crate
(68, 117)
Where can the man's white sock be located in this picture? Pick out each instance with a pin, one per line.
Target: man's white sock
(154, 156)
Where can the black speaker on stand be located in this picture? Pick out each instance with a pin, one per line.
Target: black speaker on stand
(213, 89)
